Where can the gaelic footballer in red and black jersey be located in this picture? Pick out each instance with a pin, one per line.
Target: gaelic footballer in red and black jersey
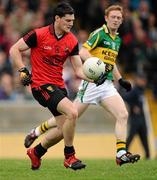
(48, 54)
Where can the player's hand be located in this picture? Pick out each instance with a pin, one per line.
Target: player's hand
(25, 76)
(125, 84)
(101, 79)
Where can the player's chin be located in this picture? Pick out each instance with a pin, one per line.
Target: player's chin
(116, 26)
(68, 29)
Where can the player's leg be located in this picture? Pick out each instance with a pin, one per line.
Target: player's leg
(66, 130)
(55, 99)
(66, 107)
(115, 105)
(83, 94)
(53, 136)
(49, 124)
(39, 130)
(43, 127)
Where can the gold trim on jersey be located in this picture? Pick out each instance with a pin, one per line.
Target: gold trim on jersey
(91, 47)
(107, 30)
(107, 55)
(87, 46)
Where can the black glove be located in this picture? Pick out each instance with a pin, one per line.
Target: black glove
(125, 84)
(101, 79)
(25, 76)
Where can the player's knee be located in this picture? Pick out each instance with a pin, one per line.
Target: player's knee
(123, 116)
(73, 114)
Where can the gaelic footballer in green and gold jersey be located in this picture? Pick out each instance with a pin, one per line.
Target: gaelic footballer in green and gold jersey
(104, 46)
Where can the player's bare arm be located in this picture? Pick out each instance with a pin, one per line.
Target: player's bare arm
(116, 73)
(15, 53)
(77, 66)
(124, 83)
(84, 53)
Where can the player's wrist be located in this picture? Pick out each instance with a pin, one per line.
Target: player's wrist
(25, 76)
(125, 84)
(23, 69)
(120, 80)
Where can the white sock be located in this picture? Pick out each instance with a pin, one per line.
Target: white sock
(120, 153)
(37, 132)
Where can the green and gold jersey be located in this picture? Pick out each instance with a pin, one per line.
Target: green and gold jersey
(102, 45)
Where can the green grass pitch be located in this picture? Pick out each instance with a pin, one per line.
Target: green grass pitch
(96, 170)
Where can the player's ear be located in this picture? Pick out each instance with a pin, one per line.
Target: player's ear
(122, 20)
(105, 17)
(57, 18)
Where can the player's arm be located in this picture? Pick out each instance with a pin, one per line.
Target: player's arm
(90, 44)
(77, 63)
(77, 66)
(116, 73)
(84, 53)
(28, 41)
(16, 53)
(117, 76)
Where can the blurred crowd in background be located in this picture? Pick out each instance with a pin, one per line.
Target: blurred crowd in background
(138, 53)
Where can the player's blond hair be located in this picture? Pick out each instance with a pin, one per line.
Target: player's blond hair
(112, 8)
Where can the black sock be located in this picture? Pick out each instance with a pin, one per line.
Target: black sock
(39, 150)
(69, 151)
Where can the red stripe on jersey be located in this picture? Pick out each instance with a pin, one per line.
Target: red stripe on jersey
(45, 94)
(48, 57)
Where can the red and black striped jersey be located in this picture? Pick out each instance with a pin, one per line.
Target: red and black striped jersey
(48, 54)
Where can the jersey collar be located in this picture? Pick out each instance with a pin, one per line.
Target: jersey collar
(52, 31)
(107, 30)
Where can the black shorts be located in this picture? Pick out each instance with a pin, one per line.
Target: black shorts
(49, 96)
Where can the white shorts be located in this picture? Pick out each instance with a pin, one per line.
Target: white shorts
(92, 94)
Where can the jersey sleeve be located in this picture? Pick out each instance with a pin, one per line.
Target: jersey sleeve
(75, 50)
(92, 41)
(31, 39)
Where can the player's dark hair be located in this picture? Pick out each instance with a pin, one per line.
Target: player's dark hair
(62, 9)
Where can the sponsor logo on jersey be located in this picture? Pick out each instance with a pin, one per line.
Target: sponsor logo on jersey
(109, 55)
(107, 43)
(47, 47)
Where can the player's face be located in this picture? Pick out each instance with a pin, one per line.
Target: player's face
(66, 22)
(114, 19)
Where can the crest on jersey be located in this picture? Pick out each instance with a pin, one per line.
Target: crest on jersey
(50, 88)
(113, 45)
(67, 50)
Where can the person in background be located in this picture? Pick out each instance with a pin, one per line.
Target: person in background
(137, 120)
(6, 87)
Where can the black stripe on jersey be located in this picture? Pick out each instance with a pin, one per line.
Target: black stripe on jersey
(75, 50)
(31, 39)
